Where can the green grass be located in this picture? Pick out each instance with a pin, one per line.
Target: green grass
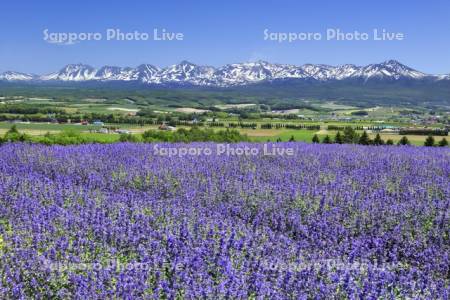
(89, 137)
(38, 130)
(46, 126)
(102, 137)
(285, 135)
(100, 108)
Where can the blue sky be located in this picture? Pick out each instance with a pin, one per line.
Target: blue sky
(221, 32)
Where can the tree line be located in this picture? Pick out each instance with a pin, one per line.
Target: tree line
(289, 126)
(182, 135)
(350, 136)
(439, 132)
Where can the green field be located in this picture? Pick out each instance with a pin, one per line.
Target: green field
(37, 112)
(38, 130)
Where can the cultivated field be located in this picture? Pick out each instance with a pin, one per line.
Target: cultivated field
(256, 135)
(119, 221)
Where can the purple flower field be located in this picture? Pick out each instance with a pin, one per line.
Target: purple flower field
(117, 221)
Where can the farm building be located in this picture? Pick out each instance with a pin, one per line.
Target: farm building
(166, 127)
(98, 123)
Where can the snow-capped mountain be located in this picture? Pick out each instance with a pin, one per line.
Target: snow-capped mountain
(187, 73)
(391, 69)
(144, 73)
(109, 72)
(16, 76)
(76, 72)
(113, 73)
(444, 77)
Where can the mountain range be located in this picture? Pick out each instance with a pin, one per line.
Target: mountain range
(231, 75)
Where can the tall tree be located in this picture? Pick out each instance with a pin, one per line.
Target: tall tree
(327, 140)
(350, 136)
(377, 140)
(315, 139)
(403, 141)
(429, 142)
(364, 139)
(443, 142)
(338, 138)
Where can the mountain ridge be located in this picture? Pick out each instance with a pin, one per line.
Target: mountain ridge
(237, 74)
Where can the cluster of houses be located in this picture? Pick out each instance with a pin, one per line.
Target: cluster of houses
(95, 123)
(110, 130)
(386, 129)
(406, 130)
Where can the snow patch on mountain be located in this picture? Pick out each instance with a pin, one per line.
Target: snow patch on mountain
(228, 75)
(16, 76)
(73, 72)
